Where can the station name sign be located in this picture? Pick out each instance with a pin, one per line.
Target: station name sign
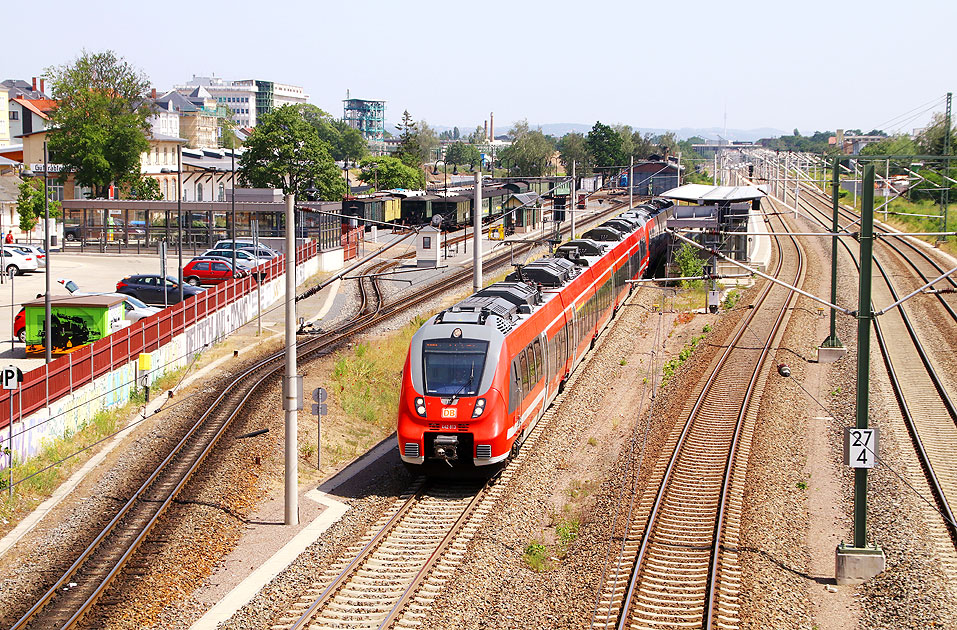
(54, 168)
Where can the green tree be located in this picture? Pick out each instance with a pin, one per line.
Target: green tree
(642, 145)
(408, 150)
(627, 143)
(531, 152)
(30, 203)
(285, 151)
(604, 145)
(571, 147)
(931, 140)
(455, 133)
(390, 172)
(143, 188)
(342, 141)
(98, 129)
(461, 153)
(690, 265)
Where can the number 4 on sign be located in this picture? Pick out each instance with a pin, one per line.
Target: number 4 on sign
(860, 447)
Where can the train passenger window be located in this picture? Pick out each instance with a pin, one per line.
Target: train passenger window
(514, 387)
(523, 360)
(539, 361)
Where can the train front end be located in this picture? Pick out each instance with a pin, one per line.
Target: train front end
(452, 411)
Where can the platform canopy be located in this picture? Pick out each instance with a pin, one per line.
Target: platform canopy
(704, 194)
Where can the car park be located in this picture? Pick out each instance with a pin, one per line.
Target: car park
(209, 270)
(17, 262)
(155, 289)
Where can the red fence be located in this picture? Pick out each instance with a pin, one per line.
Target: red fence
(46, 384)
(350, 242)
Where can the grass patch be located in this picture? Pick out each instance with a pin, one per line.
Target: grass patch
(536, 556)
(731, 299)
(567, 531)
(579, 489)
(802, 485)
(672, 365)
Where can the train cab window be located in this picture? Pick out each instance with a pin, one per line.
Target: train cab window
(453, 367)
(523, 360)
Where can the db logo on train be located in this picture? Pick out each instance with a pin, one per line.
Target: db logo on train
(448, 412)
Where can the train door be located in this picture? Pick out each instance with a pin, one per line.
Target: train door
(515, 391)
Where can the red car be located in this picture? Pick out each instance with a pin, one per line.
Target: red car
(209, 271)
(20, 325)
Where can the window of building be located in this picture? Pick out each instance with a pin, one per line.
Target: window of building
(165, 189)
(56, 190)
(222, 193)
(199, 192)
(165, 155)
(14, 115)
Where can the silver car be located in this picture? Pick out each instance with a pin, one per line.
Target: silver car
(32, 250)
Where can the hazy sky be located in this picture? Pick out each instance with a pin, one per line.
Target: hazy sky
(669, 63)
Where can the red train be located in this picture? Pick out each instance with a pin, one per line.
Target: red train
(480, 374)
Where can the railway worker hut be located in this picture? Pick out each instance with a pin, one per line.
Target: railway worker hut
(705, 211)
(650, 178)
(523, 212)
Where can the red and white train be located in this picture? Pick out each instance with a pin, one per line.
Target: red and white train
(480, 374)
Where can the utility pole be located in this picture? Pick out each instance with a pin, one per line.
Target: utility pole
(945, 193)
(574, 205)
(631, 190)
(477, 234)
(832, 341)
(179, 218)
(293, 384)
(47, 310)
(860, 562)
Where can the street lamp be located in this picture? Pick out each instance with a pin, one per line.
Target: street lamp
(179, 217)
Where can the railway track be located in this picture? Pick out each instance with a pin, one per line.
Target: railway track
(74, 593)
(922, 391)
(678, 563)
(389, 578)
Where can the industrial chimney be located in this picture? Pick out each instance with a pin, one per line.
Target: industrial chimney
(491, 126)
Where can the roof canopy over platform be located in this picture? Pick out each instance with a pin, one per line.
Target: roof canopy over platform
(703, 194)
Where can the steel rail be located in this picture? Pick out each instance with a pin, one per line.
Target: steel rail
(923, 455)
(344, 575)
(729, 466)
(678, 449)
(306, 348)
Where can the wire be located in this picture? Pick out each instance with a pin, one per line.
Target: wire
(932, 103)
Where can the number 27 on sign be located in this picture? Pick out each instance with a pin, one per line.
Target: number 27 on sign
(860, 447)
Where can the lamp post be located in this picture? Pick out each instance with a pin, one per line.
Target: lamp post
(232, 198)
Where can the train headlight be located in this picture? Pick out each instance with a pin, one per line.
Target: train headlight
(420, 406)
(479, 408)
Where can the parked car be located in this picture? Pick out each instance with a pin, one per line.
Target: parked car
(241, 263)
(32, 250)
(136, 309)
(151, 288)
(20, 326)
(18, 262)
(94, 229)
(262, 251)
(210, 270)
(244, 258)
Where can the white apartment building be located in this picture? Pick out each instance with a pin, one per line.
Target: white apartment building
(248, 98)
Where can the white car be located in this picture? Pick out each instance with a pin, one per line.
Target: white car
(33, 250)
(17, 262)
(136, 309)
(244, 258)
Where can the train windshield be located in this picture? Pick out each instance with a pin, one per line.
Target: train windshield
(453, 367)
